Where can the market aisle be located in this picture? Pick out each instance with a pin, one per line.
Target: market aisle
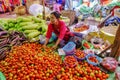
(7, 15)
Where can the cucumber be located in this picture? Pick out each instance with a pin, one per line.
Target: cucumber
(33, 34)
(30, 27)
(29, 31)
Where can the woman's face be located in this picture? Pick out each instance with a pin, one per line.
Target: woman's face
(53, 19)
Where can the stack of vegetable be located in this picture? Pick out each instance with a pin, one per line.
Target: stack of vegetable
(30, 61)
(8, 39)
(31, 26)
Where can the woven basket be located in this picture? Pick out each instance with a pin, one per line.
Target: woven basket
(20, 10)
(108, 33)
(70, 14)
(117, 12)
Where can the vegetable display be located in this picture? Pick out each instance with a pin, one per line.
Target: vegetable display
(22, 58)
(9, 39)
(80, 55)
(31, 61)
(83, 71)
(70, 61)
(80, 28)
(28, 25)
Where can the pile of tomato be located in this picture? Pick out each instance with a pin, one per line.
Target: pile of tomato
(83, 71)
(86, 45)
(30, 62)
(80, 54)
(93, 59)
(80, 29)
(70, 61)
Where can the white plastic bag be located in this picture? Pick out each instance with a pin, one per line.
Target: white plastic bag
(109, 63)
(117, 73)
(36, 9)
(42, 39)
(93, 28)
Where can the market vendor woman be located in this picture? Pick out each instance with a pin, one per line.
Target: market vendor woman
(58, 27)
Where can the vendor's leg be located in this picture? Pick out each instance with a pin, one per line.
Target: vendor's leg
(78, 34)
(62, 43)
(53, 37)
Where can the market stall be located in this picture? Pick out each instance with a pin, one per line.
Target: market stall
(93, 54)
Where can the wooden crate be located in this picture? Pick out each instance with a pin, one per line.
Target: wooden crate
(70, 14)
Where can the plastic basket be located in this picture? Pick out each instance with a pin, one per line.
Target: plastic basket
(91, 46)
(76, 62)
(2, 77)
(93, 63)
(69, 48)
(80, 59)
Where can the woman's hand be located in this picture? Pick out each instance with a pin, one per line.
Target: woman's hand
(54, 47)
(56, 44)
(44, 46)
(46, 41)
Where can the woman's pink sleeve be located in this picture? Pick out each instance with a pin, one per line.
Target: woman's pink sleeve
(62, 30)
(49, 31)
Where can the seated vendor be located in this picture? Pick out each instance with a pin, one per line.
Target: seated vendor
(59, 28)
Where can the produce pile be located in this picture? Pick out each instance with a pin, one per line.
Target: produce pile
(83, 71)
(80, 55)
(9, 39)
(31, 26)
(80, 28)
(31, 61)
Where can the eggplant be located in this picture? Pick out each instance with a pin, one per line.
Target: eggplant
(3, 33)
(23, 38)
(1, 29)
(3, 55)
(4, 36)
(17, 43)
(3, 46)
(15, 33)
(15, 40)
(7, 48)
(12, 37)
(5, 41)
(1, 51)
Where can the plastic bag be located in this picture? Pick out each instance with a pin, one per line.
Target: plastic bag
(117, 75)
(42, 39)
(109, 63)
(77, 40)
(93, 28)
(37, 9)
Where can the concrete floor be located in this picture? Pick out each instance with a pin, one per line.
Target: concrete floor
(13, 15)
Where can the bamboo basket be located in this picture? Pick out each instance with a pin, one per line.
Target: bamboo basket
(20, 10)
(108, 33)
(117, 12)
(70, 14)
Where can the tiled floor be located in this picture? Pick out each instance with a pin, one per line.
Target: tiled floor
(7, 15)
